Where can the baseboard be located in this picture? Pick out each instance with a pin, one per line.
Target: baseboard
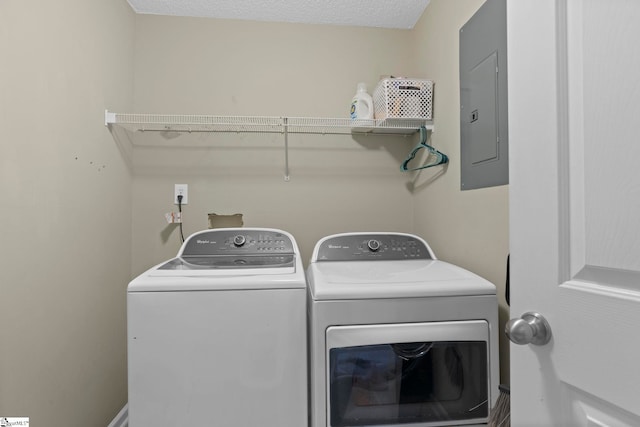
(122, 419)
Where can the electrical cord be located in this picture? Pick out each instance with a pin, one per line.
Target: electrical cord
(180, 210)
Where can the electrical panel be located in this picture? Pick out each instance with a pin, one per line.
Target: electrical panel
(484, 148)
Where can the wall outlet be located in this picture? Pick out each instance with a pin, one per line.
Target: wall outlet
(181, 190)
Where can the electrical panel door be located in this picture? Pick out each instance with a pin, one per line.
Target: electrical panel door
(483, 98)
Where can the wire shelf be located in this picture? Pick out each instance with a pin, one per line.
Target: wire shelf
(260, 124)
(169, 126)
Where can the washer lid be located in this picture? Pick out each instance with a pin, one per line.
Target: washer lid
(229, 262)
(226, 250)
(393, 279)
(228, 258)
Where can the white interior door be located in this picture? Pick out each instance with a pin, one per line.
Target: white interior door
(574, 111)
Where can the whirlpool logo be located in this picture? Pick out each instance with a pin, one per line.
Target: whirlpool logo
(13, 421)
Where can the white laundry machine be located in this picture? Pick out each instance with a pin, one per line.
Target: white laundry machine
(217, 335)
(397, 337)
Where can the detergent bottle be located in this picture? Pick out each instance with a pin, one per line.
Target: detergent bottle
(362, 103)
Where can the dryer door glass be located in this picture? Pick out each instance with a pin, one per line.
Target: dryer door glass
(422, 383)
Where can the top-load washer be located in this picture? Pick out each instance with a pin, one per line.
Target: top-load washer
(217, 335)
(397, 337)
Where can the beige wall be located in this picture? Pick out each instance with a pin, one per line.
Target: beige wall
(468, 228)
(204, 66)
(65, 207)
(338, 183)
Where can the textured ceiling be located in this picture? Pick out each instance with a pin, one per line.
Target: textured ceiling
(402, 14)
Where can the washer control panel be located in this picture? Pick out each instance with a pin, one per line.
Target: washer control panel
(361, 246)
(234, 249)
(238, 241)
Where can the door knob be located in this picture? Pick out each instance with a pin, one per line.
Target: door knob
(531, 328)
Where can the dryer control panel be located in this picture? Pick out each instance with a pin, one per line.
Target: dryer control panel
(372, 246)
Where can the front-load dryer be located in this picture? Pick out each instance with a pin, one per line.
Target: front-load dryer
(397, 337)
(217, 336)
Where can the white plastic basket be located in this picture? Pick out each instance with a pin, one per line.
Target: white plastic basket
(396, 98)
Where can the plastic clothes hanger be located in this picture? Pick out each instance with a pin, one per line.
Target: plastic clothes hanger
(439, 158)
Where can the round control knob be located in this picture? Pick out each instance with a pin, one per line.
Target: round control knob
(373, 245)
(239, 240)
